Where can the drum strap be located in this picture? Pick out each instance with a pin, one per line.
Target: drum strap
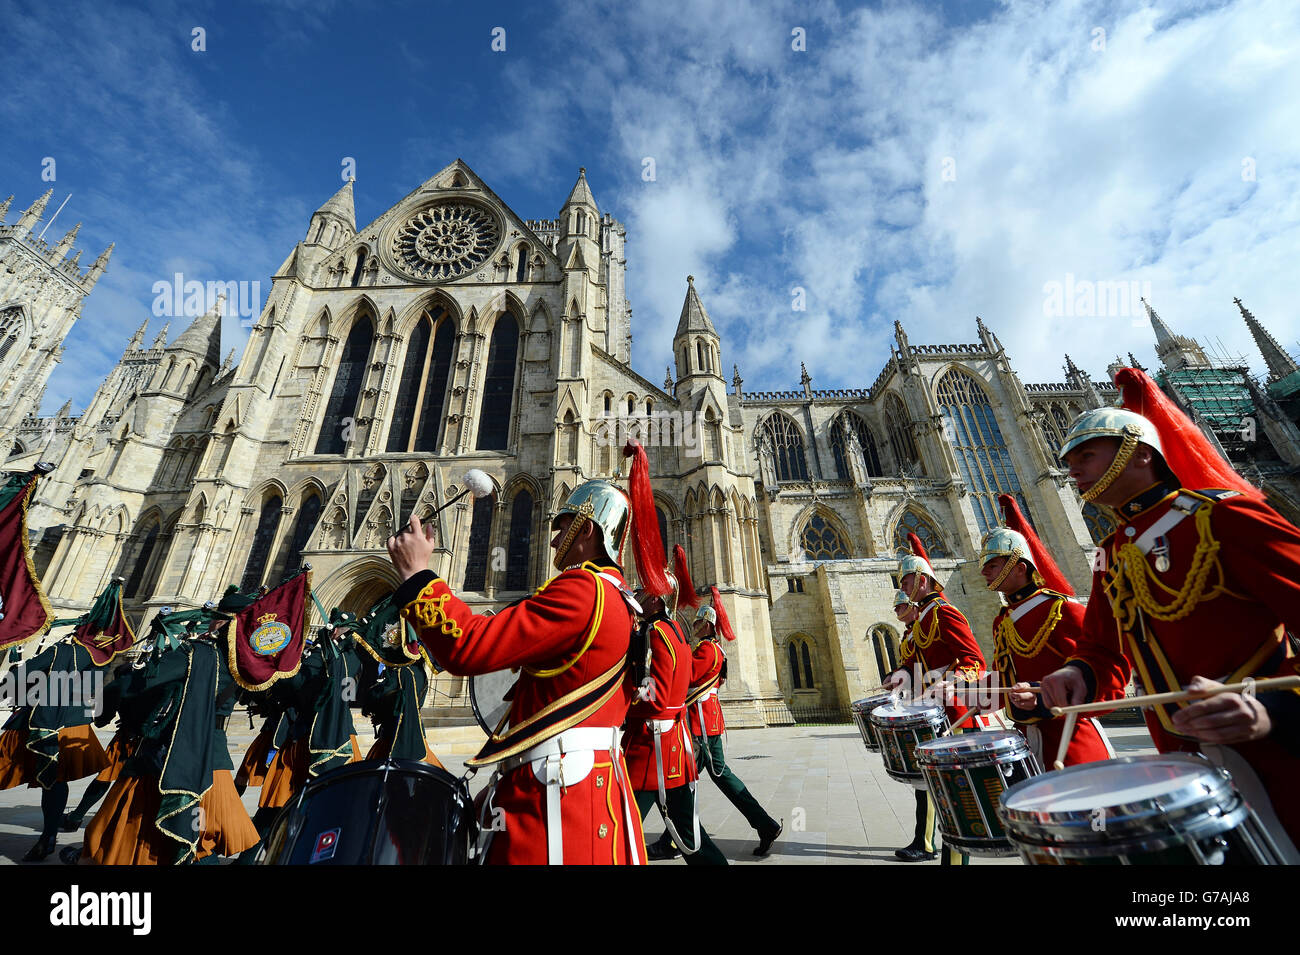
(663, 791)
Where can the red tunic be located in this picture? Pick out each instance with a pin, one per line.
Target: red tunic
(941, 641)
(1237, 611)
(1044, 628)
(706, 670)
(575, 628)
(670, 675)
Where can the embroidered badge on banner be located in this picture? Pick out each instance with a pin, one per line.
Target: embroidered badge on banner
(270, 637)
(326, 843)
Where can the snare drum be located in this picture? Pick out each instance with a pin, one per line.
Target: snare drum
(395, 812)
(861, 709)
(901, 727)
(966, 775)
(1174, 809)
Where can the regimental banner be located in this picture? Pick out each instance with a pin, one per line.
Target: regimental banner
(25, 611)
(105, 631)
(265, 640)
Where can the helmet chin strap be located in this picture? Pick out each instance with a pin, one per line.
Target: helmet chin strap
(566, 541)
(1007, 568)
(1117, 466)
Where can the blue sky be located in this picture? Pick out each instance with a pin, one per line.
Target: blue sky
(913, 161)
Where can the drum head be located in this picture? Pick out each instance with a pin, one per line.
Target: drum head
(982, 743)
(395, 812)
(1130, 781)
(907, 713)
(488, 696)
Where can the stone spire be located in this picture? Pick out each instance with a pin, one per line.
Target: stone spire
(203, 337)
(1133, 363)
(805, 380)
(100, 265)
(4, 208)
(580, 194)
(1175, 352)
(736, 380)
(225, 365)
(339, 207)
(161, 340)
(137, 340)
(34, 212)
(1280, 364)
(694, 319)
(668, 379)
(65, 244)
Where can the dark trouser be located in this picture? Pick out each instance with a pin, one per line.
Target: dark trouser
(93, 794)
(53, 801)
(923, 833)
(709, 758)
(681, 810)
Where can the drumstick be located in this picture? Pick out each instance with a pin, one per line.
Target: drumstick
(1008, 689)
(1067, 732)
(1154, 699)
(961, 719)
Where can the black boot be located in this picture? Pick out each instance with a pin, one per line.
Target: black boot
(44, 846)
(765, 839)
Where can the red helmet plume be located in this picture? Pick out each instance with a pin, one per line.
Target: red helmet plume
(918, 549)
(1189, 455)
(685, 586)
(1053, 579)
(723, 624)
(647, 547)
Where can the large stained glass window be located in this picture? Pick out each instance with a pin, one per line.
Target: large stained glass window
(982, 455)
(912, 522)
(785, 441)
(843, 423)
(821, 541)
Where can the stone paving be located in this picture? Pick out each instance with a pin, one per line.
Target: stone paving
(838, 805)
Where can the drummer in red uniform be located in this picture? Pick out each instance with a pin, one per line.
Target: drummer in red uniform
(708, 672)
(941, 653)
(1034, 634)
(660, 763)
(560, 791)
(1200, 583)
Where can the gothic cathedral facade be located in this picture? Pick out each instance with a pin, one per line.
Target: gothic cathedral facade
(450, 333)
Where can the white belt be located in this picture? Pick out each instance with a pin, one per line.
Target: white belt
(660, 726)
(712, 692)
(554, 764)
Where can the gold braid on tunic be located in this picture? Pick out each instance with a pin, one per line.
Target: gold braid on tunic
(1129, 586)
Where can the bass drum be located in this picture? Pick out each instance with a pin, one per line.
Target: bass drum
(395, 812)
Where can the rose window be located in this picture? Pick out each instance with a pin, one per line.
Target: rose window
(446, 241)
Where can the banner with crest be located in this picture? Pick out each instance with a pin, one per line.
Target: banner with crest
(265, 640)
(25, 611)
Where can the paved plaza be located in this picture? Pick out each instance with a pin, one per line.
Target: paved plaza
(838, 805)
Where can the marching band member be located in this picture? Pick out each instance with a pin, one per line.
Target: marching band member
(560, 792)
(1034, 634)
(1199, 583)
(940, 647)
(921, 848)
(660, 763)
(708, 672)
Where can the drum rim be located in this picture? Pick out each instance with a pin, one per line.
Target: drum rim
(1011, 743)
(918, 715)
(884, 698)
(389, 766)
(479, 717)
(1180, 799)
(1152, 841)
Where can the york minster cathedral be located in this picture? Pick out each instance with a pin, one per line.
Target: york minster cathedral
(451, 333)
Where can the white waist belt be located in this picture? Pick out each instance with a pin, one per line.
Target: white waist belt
(547, 760)
(663, 726)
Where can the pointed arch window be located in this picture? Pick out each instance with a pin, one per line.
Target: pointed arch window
(521, 270)
(914, 523)
(900, 436)
(359, 267)
(267, 524)
(885, 643)
(499, 386)
(347, 387)
(11, 326)
(142, 562)
(982, 455)
(421, 400)
(480, 534)
(850, 421)
(308, 515)
(521, 541)
(800, 659)
(785, 441)
(821, 541)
